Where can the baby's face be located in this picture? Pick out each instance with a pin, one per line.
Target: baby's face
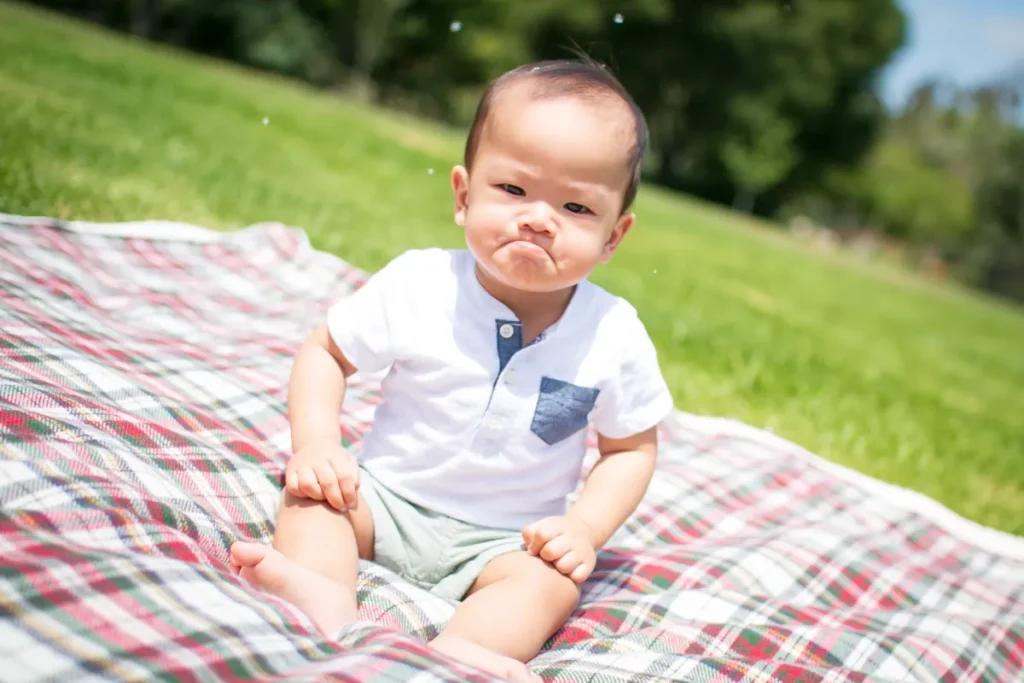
(543, 204)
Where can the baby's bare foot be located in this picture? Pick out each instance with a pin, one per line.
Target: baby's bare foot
(482, 658)
(328, 604)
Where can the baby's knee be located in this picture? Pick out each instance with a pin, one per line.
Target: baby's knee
(556, 588)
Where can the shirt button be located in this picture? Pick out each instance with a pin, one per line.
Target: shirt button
(506, 331)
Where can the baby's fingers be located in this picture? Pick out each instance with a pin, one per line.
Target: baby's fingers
(291, 482)
(308, 484)
(581, 573)
(542, 532)
(329, 484)
(348, 479)
(350, 490)
(555, 548)
(568, 562)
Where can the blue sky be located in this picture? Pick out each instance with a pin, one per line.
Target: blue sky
(965, 41)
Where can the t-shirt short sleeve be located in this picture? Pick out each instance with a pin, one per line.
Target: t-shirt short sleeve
(363, 324)
(636, 397)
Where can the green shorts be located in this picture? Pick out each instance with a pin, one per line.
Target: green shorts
(437, 553)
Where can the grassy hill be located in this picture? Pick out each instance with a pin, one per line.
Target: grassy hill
(914, 383)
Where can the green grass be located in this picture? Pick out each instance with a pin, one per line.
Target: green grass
(907, 381)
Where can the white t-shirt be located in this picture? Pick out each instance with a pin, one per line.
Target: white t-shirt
(473, 425)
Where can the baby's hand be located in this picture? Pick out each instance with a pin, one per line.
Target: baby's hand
(565, 543)
(324, 470)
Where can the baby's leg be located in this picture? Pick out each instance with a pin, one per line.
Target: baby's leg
(514, 606)
(315, 559)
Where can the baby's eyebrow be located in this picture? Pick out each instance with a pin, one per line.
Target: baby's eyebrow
(590, 189)
(503, 167)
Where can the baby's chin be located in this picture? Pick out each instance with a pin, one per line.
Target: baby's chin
(524, 272)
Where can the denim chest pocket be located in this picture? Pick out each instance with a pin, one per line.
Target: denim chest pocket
(562, 410)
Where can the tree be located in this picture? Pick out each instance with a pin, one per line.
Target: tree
(277, 36)
(998, 255)
(441, 52)
(760, 154)
(808, 66)
(749, 101)
(917, 201)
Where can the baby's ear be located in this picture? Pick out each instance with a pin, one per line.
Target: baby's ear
(622, 226)
(460, 192)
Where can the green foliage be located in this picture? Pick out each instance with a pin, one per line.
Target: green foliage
(440, 71)
(714, 76)
(998, 254)
(752, 98)
(948, 172)
(905, 380)
(276, 36)
(1002, 192)
(916, 200)
(761, 153)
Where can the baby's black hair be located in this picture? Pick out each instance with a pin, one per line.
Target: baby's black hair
(583, 77)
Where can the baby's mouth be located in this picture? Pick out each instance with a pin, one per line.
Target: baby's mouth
(528, 246)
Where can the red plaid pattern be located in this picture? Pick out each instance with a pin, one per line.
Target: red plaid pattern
(143, 372)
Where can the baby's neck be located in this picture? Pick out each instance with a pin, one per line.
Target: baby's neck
(536, 310)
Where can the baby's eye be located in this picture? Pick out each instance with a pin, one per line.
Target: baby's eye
(513, 189)
(576, 208)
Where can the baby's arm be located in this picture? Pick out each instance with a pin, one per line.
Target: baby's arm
(616, 484)
(356, 335)
(612, 492)
(320, 469)
(628, 409)
(316, 389)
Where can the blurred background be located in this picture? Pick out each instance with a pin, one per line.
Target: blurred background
(830, 237)
(887, 125)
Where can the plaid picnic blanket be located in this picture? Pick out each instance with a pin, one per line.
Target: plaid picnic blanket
(143, 372)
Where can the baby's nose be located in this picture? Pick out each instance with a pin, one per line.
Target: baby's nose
(539, 218)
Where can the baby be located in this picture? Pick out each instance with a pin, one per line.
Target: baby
(500, 356)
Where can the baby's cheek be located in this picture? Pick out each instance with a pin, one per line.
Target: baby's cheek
(584, 245)
(485, 220)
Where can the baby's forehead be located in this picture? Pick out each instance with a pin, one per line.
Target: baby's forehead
(513, 106)
(526, 92)
(559, 139)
